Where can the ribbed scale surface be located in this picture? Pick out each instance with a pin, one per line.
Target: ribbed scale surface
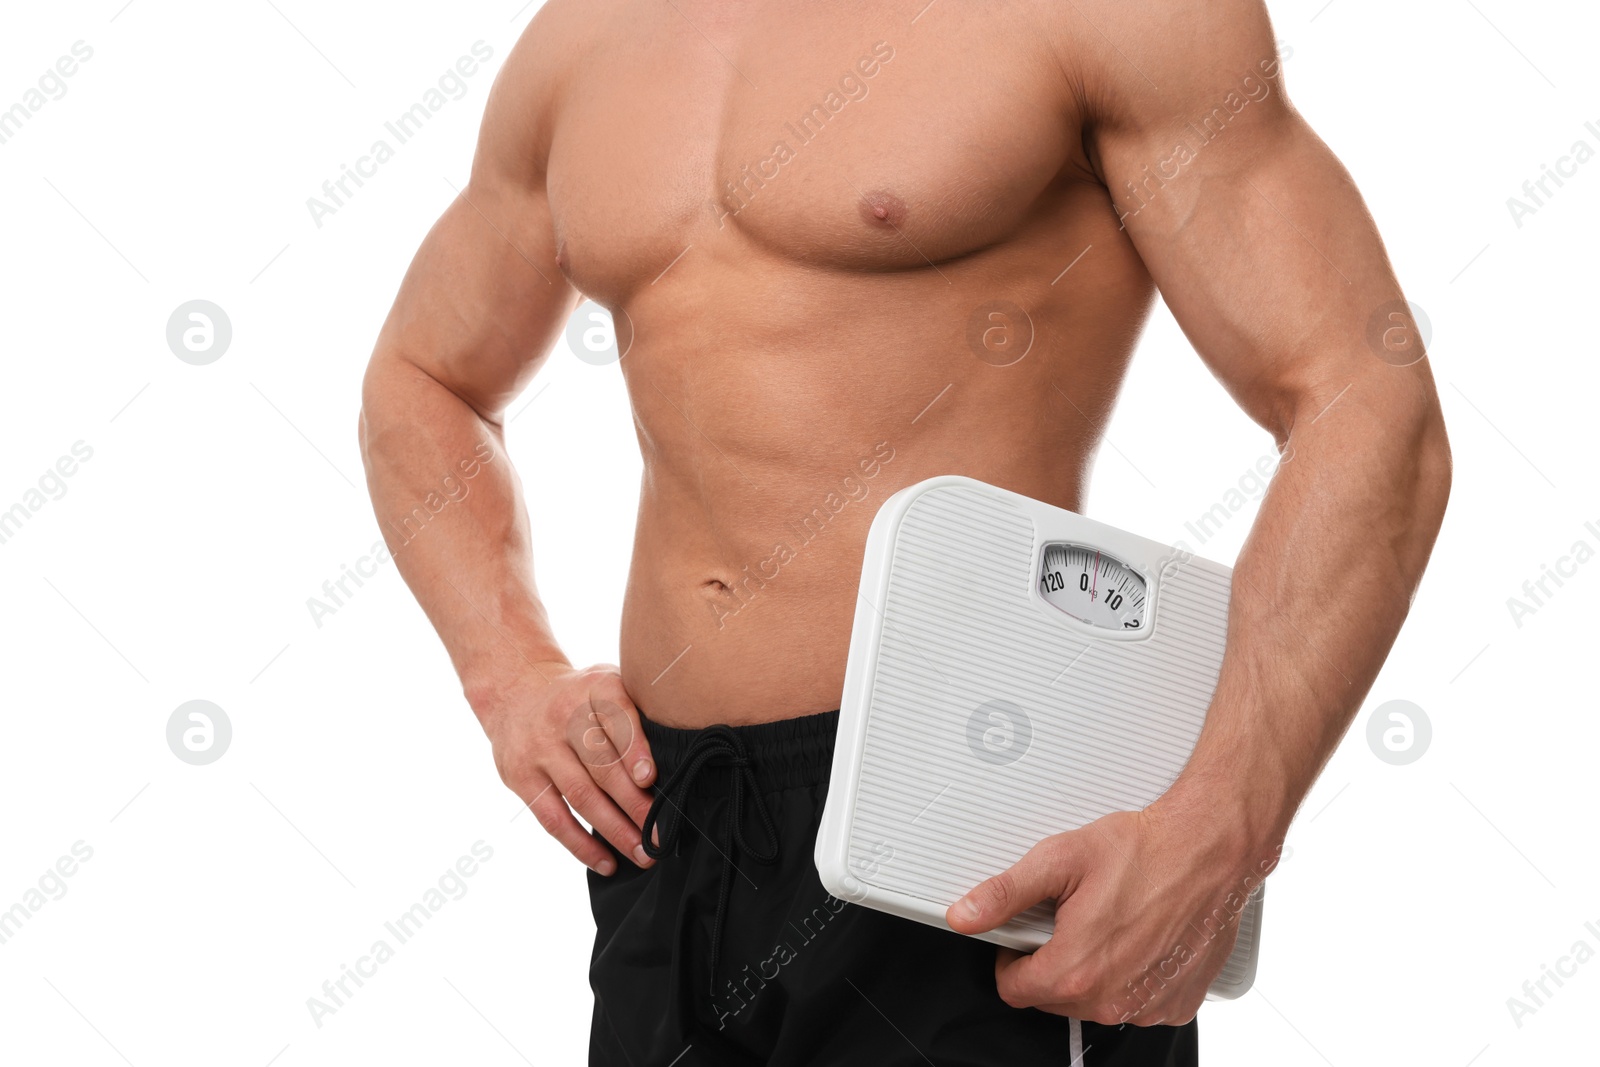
(1112, 722)
(1238, 965)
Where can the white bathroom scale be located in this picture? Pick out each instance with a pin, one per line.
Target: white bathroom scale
(1016, 670)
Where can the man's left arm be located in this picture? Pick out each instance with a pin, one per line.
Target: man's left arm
(1263, 249)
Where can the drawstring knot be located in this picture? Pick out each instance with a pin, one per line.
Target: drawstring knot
(720, 747)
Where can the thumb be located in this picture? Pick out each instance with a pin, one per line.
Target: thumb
(1044, 873)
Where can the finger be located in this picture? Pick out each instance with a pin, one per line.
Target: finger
(1127, 1011)
(1056, 984)
(1184, 1011)
(590, 733)
(586, 733)
(596, 807)
(1051, 980)
(1113, 1016)
(620, 719)
(551, 811)
(1044, 873)
(634, 802)
(1023, 980)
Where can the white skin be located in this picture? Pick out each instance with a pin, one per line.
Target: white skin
(779, 335)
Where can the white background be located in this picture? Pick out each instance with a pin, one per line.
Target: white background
(178, 563)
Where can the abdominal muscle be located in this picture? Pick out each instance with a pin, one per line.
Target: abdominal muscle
(774, 423)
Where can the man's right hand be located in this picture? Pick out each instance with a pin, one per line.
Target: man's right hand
(473, 322)
(572, 737)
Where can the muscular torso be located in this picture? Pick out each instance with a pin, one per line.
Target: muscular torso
(834, 242)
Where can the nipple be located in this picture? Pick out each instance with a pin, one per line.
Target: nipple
(883, 208)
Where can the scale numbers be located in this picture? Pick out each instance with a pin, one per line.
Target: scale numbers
(1093, 587)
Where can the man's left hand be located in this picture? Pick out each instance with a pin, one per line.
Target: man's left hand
(1147, 910)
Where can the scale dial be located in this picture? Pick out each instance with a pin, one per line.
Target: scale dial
(1093, 587)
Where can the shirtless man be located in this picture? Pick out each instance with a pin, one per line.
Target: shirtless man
(826, 231)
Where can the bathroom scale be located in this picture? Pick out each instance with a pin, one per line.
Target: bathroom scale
(1016, 670)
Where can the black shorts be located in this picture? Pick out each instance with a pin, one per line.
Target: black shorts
(729, 951)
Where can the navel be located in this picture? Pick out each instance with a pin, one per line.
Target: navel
(882, 208)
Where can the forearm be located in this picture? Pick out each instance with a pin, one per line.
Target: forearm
(1319, 593)
(451, 511)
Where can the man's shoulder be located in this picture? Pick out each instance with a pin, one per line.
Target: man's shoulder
(1126, 58)
(562, 33)
(528, 92)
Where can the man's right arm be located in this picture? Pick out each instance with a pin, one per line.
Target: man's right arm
(475, 318)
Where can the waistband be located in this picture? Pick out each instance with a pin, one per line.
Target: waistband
(784, 754)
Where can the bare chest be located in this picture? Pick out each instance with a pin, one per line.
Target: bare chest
(845, 138)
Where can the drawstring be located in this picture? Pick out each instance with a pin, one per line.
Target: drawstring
(717, 746)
